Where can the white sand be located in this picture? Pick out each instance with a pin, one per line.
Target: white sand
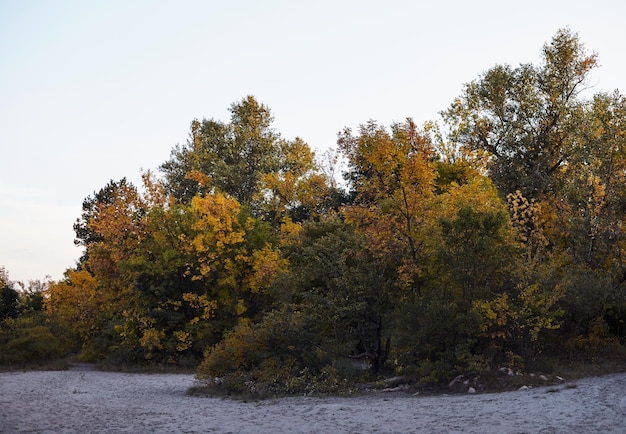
(104, 402)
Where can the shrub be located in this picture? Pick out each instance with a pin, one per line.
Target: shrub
(275, 357)
(598, 343)
(26, 340)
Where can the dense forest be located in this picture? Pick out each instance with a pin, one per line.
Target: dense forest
(493, 238)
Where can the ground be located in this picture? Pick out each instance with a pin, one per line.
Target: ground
(80, 400)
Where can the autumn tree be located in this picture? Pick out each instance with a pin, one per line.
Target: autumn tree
(392, 177)
(77, 310)
(557, 157)
(169, 278)
(237, 257)
(392, 181)
(246, 159)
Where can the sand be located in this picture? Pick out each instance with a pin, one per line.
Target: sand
(83, 401)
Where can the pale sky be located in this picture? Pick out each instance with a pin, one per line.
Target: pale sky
(97, 90)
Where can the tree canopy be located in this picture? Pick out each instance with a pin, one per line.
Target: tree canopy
(493, 245)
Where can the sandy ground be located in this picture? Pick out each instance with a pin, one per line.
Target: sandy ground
(81, 401)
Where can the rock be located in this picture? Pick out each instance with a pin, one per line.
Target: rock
(471, 390)
(524, 388)
(457, 379)
(560, 378)
(396, 389)
(543, 377)
(393, 381)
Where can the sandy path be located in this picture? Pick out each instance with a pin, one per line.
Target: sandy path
(88, 401)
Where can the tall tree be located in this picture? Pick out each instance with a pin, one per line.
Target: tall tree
(247, 160)
(229, 156)
(523, 116)
(392, 179)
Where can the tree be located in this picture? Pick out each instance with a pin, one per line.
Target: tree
(110, 220)
(342, 291)
(392, 179)
(559, 159)
(78, 310)
(247, 160)
(9, 297)
(467, 264)
(231, 157)
(523, 117)
(236, 257)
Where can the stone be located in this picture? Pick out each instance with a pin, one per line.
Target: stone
(457, 379)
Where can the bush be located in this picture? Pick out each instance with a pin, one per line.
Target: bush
(278, 356)
(598, 343)
(26, 341)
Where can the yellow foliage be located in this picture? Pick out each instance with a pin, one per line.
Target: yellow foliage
(202, 304)
(265, 264)
(184, 340)
(151, 339)
(218, 227)
(289, 231)
(498, 316)
(74, 303)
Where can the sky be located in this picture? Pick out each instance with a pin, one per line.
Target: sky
(92, 91)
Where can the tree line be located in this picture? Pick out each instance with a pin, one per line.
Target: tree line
(493, 239)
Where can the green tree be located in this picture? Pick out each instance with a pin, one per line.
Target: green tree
(9, 297)
(442, 329)
(337, 284)
(559, 159)
(247, 160)
(231, 157)
(522, 117)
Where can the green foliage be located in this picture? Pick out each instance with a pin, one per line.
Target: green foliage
(9, 300)
(28, 340)
(247, 160)
(280, 355)
(450, 174)
(521, 117)
(338, 285)
(475, 253)
(231, 157)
